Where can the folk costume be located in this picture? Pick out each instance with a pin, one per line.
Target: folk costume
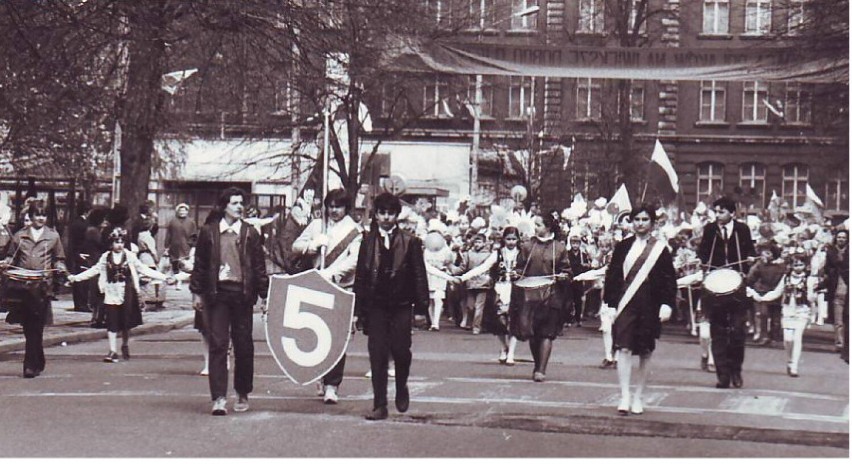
(115, 270)
(798, 295)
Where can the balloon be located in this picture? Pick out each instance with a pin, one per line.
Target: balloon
(434, 241)
(519, 193)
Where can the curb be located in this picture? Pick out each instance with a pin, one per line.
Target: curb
(89, 334)
(596, 425)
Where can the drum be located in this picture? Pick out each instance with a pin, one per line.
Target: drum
(13, 282)
(724, 290)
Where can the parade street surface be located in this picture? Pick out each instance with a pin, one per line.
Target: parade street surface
(463, 402)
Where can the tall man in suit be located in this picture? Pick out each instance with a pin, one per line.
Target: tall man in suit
(390, 282)
(76, 244)
(727, 243)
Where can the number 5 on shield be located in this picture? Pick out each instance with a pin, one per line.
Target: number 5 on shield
(294, 318)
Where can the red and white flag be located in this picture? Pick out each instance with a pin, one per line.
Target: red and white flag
(662, 160)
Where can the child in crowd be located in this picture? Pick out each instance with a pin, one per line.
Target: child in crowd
(115, 269)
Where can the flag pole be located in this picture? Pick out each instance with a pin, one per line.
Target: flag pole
(647, 181)
(325, 149)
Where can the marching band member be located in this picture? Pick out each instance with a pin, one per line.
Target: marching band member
(390, 282)
(115, 269)
(606, 313)
(542, 255)
(640, 284)
(727, 243)
(342, 239)
(797, 290)
(34, 247)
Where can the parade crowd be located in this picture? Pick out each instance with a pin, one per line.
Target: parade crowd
(723, 273)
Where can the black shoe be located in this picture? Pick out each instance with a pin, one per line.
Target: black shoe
(737, 380)
(607, 364)
(30, 373)
(125, 352)
(402, 399)
(377, 414)
(111, 357)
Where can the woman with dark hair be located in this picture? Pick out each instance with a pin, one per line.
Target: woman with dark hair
(641, 285)
(534, 312)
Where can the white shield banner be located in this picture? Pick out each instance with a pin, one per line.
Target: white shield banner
(308, 324)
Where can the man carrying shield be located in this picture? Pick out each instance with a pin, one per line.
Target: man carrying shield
(342, 239)
(390, 282)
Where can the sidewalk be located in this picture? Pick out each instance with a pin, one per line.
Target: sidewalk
(70, 326)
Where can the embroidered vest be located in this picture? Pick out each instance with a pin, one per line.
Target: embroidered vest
(117, 272)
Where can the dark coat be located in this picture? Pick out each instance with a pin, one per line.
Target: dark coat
(76, 240)
(409, 284)
(712, 235)
(205, 273)
(641, 317)
(537, 258)
(836, 268)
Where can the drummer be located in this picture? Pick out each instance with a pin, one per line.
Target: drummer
(726, 243)
(34, 248)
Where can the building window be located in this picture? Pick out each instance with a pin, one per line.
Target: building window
(797, 106)
(482, 13)
(637, 102)
(525, 22)
(758, 17)
(754, 108)
(520, 96)
(712, 101)
(638, 15)
(283, 96)
(795, 16)
(591, 17)
(486, 108)
(388, 100)
(837, 195)
(793, 188)
(716, 13)
(435, 99)
(710, 181)
(588, 98)
(441, 11)
(753, 183)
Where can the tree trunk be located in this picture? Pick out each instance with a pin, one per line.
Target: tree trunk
(142, 103)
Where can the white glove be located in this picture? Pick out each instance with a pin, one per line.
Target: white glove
(319, 241)
(665, 312)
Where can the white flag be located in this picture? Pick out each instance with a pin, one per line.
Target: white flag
(446, 107)
(566, 152)
(660, 157)
(813, 196)
(364, 117)
(172, 80)
(619, 202)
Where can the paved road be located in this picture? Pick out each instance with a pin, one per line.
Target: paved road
(463, 404)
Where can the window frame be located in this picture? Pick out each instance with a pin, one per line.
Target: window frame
(759, 27)
(756, 88)
(709, 177)
(596, 20)
(524, 102)
(798, 89)
(718, 93)
(523, 23)
(716, 17)
(593, 87)
(796, 195)
(752, 177)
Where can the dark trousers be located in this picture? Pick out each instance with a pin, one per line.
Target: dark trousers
(229, 314)
(388, 334)
(34, 348)
(335, 375)
(727, 335)
(80, 291)
(575, 312)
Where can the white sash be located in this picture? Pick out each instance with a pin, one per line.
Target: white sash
(641, 275)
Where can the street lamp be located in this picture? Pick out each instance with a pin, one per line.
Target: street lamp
(477, 107)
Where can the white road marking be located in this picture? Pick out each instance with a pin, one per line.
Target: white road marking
(760, 405)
